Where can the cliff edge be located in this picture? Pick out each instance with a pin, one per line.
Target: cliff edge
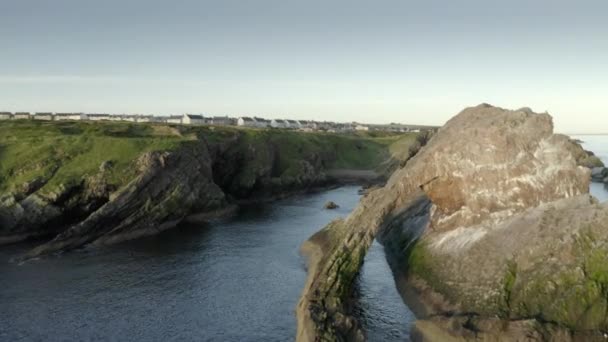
(70, 184)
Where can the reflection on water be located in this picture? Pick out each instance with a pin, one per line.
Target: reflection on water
(236, 280)
(391, 320)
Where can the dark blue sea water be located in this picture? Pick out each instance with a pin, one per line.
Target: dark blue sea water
(234, 280)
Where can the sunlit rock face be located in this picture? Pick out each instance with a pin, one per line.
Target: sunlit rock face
(488, 220)
(487, 164)
(511, 233)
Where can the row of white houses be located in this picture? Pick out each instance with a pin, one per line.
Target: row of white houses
(44, 116)
(304, 125)
(198, 119)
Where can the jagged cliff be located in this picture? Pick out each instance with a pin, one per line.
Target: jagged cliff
(493, 224)
(98, 183)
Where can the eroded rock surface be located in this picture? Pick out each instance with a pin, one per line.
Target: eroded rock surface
(199, 178)
(66, 194)
(492, 218)
(169, 186)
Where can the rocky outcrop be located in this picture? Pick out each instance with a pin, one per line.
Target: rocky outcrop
(546, 264)
(331, 205)
(246, 168)
(31, 213)
(584, 157)
(199, 178)
(491, 219)
(169, 187)
(599, 174)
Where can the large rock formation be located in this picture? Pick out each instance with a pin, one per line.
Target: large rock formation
(169, 187)
(205, 172)
(599, 174)
(492, 218)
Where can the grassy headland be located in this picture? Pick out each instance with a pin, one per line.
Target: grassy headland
(65, 152)
(62, 153)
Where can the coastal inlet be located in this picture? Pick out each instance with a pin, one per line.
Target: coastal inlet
(237, 279)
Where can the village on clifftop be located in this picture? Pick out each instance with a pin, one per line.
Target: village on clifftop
(199, 119)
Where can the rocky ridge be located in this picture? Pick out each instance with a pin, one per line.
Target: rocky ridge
(599, 174)
(168, 186)
(202, 176)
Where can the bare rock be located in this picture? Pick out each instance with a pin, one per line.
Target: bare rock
(493, 216)
(331, 205)
(598, 174)
(168, 188)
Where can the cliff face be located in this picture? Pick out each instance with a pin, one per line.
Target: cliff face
(104, 183)
(168, 187)
(491, 219)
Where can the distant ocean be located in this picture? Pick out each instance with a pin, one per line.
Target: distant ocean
(598, 144)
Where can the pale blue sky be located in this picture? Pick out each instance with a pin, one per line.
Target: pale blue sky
(371, 61)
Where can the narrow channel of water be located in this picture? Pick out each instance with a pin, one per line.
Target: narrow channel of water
(380, 308)
(235, 280)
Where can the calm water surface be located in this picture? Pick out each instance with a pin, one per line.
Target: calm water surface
(236, 280)
(598, 144)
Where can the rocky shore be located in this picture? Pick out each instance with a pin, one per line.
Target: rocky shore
(197, 175)
(492, 223)
(599, 175)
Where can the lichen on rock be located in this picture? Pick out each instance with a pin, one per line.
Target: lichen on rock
(491, 219)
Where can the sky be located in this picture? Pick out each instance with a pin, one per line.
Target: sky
(416, 62)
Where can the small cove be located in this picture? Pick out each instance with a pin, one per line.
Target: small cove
(237, 279)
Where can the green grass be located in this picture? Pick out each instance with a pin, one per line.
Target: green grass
(67, 152)
(345, 151)
(62, 153)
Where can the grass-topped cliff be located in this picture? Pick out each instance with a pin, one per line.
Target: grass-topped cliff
(65, 152)
(125, 179)
(61, 153)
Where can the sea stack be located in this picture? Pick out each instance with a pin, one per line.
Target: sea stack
(493, 224)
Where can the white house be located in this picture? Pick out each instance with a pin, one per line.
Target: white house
(69, 116)
(98, 117)
(360, 127)
(261, 122)
(326, 125)
(344, 127)
(293, 124)
(245, 121)
(6, 115)
(304, 124)
(144, 118)
(129, 118)
(21, 116)
(175, 119)
(279, 123)
(193, 119)
(43, 116)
